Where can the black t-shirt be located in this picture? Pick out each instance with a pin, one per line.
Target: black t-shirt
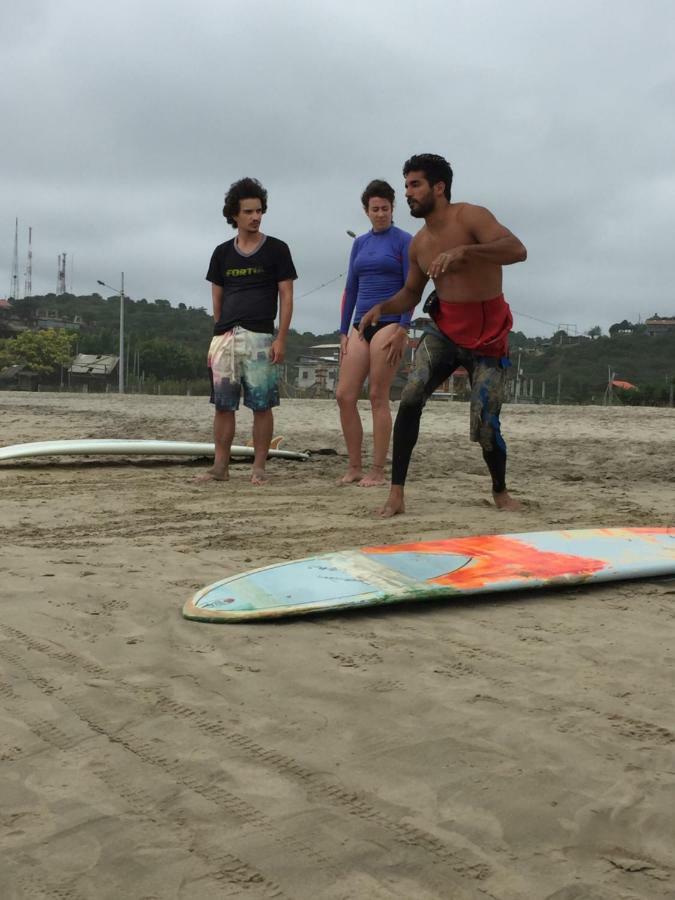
(250, 284)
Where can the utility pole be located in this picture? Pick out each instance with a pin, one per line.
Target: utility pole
(121, 363)
(28, 283)
(518, 382)
(609, 392)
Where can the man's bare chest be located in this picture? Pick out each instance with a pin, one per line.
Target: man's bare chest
(429, 246)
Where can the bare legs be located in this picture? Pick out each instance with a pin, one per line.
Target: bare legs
(353, 372)
(380, 379)
(363, 360)
(263, 425)
(223, 434)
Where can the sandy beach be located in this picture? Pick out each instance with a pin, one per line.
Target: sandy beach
(495, 749)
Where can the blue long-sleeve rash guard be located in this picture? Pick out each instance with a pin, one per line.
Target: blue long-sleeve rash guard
(378, 267)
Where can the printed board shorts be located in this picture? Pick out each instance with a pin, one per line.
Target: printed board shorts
(240, 359)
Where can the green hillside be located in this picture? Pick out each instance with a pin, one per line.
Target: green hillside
(166, 342)
(170, 341)
(585, 366)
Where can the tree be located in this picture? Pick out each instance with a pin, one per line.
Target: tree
(40, 351)
(26, 309)
(164, 358)
(594, 332)
(620, 327)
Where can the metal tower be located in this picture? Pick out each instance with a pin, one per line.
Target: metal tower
(28, 282)
(61, 278)
(14, 281)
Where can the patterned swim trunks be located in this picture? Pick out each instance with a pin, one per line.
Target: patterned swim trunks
(240, 358)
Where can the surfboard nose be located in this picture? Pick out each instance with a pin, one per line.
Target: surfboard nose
(282, 588)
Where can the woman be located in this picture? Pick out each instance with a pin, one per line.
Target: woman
(378, 267)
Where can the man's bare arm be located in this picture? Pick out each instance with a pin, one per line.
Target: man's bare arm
(278, 348)
(493, 244)
(217, 293)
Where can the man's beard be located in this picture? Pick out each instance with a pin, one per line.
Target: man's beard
(422, 208)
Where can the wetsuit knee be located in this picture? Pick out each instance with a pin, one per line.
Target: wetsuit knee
(412, 395)
(490, 437)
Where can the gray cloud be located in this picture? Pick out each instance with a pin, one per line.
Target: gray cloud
(125, 124)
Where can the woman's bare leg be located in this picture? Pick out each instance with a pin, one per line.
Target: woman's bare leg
(353, 371)
(380, 378)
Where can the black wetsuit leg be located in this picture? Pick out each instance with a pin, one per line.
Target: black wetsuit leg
(488, 377)
(436, 359)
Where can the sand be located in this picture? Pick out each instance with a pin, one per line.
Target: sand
(506, 749)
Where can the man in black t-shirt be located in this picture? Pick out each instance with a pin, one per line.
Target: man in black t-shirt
(251, 279)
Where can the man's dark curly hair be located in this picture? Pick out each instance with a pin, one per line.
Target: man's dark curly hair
(377, 188)
(244, 189)
(435, 169)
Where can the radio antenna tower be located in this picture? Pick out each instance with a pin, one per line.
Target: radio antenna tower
(61, 278)
(14, 282)
(28, 283)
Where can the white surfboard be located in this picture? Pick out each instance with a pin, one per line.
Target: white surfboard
(120, 447)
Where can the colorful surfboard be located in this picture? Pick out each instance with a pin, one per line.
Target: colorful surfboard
(429, 570)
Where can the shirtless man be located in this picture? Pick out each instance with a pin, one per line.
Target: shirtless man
(251, 278)
(462, 248)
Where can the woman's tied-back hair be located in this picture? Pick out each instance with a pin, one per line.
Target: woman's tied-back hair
(377, 188)
(435, 169)
(244, 189)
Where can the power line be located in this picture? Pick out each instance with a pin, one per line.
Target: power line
(535, 319)
(342, 275)
(318, 288)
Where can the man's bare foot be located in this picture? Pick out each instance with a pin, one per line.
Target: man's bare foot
(351, 477)
(505, 501)
(394, 505)
(259, 477)
(212, 474)
(373, 478)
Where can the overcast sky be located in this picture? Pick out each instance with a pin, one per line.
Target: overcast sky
(123, 125)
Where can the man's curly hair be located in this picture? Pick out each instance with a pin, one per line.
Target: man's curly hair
(244, 189)
(435, 169)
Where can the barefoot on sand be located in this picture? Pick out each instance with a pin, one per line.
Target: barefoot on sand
(352, 476)
(374, 478)
(506, 502)
(212, 475)
(394, 505)
(259, 477)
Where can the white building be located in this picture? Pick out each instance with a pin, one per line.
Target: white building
(319, 368)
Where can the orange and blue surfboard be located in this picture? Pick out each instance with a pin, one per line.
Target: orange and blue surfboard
(431, 570)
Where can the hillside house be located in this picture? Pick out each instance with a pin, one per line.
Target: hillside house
(659, 325)
(96, 372)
